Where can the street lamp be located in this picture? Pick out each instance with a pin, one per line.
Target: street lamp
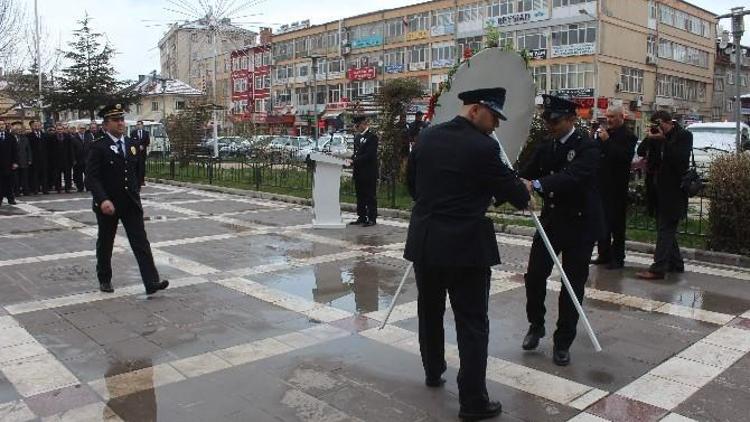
(738, 28)
(596, 57)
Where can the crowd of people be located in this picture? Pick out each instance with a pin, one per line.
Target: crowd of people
(34, 161)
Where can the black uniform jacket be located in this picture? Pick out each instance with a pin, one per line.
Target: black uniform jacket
(454, 172)
(110, 176)
(572, 208)
(614, 167)
(365, 159)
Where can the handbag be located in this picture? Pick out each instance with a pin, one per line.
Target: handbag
(692, 183)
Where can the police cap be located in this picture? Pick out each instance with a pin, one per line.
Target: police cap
(492, 98)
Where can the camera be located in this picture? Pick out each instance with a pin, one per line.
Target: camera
(654, 129)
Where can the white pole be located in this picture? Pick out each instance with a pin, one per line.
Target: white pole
(395, 296)
(558, 265)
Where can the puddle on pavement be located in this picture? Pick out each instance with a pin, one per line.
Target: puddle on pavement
(356, 286)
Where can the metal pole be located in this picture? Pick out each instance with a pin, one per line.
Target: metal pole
(215, 130)
(38, 61)
(737, 31)
(395, 296)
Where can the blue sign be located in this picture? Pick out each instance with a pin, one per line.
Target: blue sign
(394, 68)
(372, 41)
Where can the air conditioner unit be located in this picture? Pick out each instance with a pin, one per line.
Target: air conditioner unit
(651, 59)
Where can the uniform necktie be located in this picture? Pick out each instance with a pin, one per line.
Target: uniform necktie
(121, 148)
(139, 135)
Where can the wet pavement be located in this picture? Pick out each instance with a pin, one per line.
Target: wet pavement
(269, 319)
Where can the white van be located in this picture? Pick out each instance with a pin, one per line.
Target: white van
(712, 139)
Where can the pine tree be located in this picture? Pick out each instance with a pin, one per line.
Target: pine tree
(89, 82)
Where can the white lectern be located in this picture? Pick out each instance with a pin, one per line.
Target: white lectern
(326, 187)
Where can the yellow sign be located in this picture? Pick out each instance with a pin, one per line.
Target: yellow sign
(417, 35)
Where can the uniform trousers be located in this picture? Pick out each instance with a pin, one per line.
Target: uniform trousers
(468, 289)
(365, 188)
(576, 257)
(132, 220)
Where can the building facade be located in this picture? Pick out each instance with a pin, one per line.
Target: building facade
(187, 54)
(645, 55)
(725, 84)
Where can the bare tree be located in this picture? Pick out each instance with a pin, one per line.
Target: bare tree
(12, 23)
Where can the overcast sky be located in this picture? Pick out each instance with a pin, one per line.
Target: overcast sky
(134, 27)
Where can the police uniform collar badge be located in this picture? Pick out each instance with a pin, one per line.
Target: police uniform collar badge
(571, 155)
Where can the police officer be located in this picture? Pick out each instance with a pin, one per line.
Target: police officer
(453, 173)
(112, 179)
(562, 170)
(365, 172)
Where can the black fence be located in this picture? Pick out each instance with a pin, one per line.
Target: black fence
(285, 172)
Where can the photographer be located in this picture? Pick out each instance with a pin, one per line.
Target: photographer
(672, 145)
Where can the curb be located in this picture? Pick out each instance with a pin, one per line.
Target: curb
(720, 258)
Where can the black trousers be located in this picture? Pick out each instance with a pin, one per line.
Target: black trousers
(60, 175)
(611, 246)
(38, 178)
(132, 220)
(79, 172)
(575, 261)
(667, 255)
(367, 200)
(22, 181)
(469, 290)
(6, 186)
(142, 167)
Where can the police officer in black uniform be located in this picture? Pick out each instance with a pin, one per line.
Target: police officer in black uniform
(454, 171)
(563, 171)
(112, 178)
(365, 173)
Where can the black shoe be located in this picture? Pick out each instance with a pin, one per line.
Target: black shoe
(531, 341)
(600, 261)
(357, 222)
(106, 287)
(12, 202)
(489, 410)
(561, 357)
(676, 269)
(615, 265)
(434, 382)
(156, 287)
(369, 223)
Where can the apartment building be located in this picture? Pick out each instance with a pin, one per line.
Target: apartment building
(725, 84)
(645, 55)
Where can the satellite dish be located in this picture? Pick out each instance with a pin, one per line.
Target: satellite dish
(492, 68)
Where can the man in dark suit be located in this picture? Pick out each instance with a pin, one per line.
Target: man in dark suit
(8, 163)
(453, 173)
(143, 138)
(62, 160)
(617, 145)
(38, 169)
(674, 146)
(80, 151)
(365, 172)
(112, 179)
(23, 148)
(563, 171)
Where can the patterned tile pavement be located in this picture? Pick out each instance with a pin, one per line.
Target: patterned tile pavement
(270, 319)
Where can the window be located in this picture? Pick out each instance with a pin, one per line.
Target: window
(442, 17)
(283, 96)
(561, 3)
(179, 105)
(332, 39)
(302, 71)
(680, 88)
(334, 93)
(154, 106)
(394, 29)
(469, 12)
(540, 78)
(394, 57)
(651, 45)
(418, 54)
(420, 22)
(321, 94)
(531, 39)
(335, 66)
(443, 55)
(684, 21)
(260, 106)
(473, 43)
(574, 34)
(652, 10)
(631, 80)
(365, 88)
(571, 76)
(303, 96)
(718, 84)
(683, 54)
